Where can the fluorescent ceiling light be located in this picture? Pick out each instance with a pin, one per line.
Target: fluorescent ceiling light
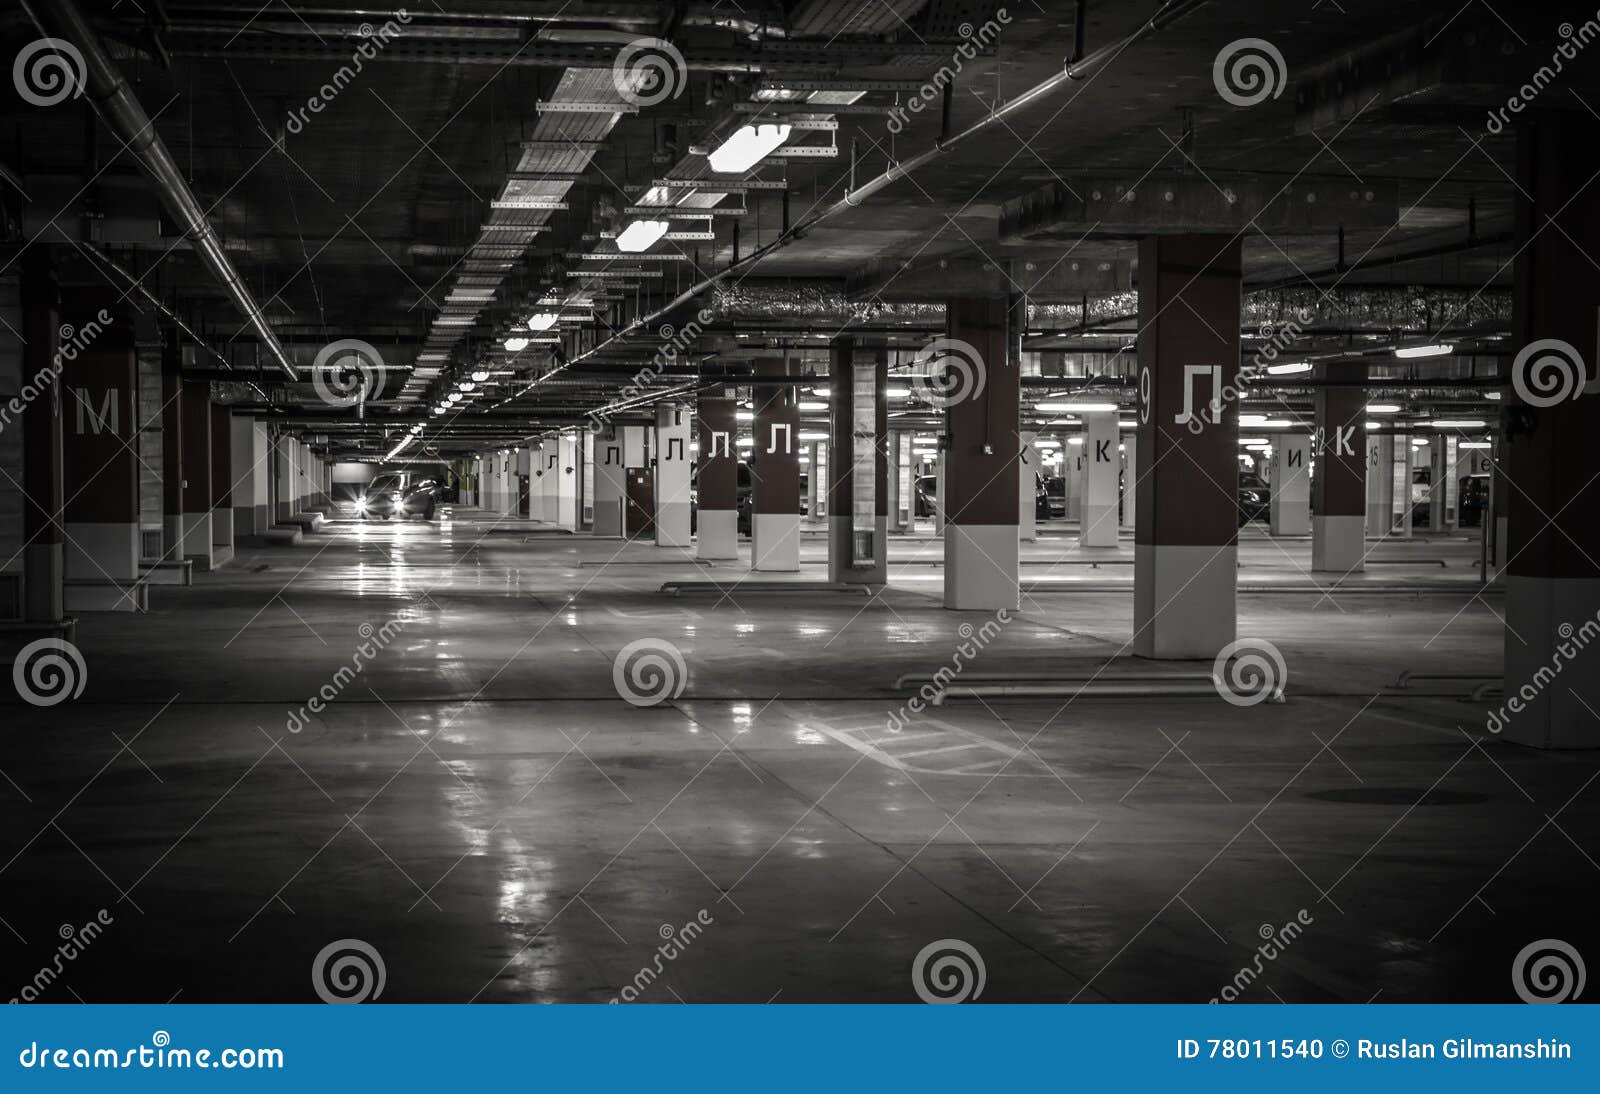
(543, 320)
(1436, 350)
(515, 344)
(1289, 368)
(1457, 423)
(1250, 442)
(640, 235)
(812, 404)
(1075, 441)
(822, 392)
(479, 377)
(1078, 408)
(1473, 444)
(1047, 444)
(897, 392)
(813, 435)
(1495, 395)
(748, 146)
(1383, 408)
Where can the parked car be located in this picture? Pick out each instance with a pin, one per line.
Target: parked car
(1255, 499)
(1474, 500)
(1053, 496)
(927, 490)
(389, 495)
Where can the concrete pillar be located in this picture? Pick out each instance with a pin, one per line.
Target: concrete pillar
(775, 521)
(248, 484)
(148, 352)
(1291, 485)
(43, 463)
(902, 486)
(1438, 483)
(857, 485)
(1380, 484)
(1339, 496)
(1185, 540)
(100, 388)
(609, 482)
(938, 493)
(221, 485)
(1072, 464)
(980, 537)
(717, 519)
(1549, 423)
(672, 476)
(1130, 479)
(195, 426)
(544, 492)
(172, 446)
(1027, 488)
(815, 491)
(1100, 469)
(568, 469)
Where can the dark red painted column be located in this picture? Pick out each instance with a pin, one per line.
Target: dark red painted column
(194, 422)
(100, 408)
(42, 456)
(775, 520)
(1339, 487)
(221, 484)
(1187, 498)
(980, 390)
(1550, 421)
(717, 480)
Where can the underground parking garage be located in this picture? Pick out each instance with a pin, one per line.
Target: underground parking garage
(799, 502)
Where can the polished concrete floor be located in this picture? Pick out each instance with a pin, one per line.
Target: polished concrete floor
(479, 806)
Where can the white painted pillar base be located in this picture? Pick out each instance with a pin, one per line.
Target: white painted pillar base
(717, 532)
(1338, 544)
(1186, 595)
(775, 541)
(1099, 525)
(980, 567)
(195, 542)
(1027, 490)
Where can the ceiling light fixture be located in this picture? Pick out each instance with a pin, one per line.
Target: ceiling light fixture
(1435, 350)
(1289, 368)
(748, 146)
(640, 235)
(543, 321)
(1078, 408)
(515, 344)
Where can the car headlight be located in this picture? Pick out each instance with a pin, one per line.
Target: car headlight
(361, 504)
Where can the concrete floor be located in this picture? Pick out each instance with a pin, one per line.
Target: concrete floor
(480, 806)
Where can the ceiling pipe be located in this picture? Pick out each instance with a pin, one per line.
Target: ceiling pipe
(117, 106)
(1169, 13)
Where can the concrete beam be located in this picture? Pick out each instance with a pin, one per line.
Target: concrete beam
(1099, 208)
(1045, 278)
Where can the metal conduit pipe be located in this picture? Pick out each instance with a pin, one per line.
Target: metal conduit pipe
(117, 106)
(1169, 13)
